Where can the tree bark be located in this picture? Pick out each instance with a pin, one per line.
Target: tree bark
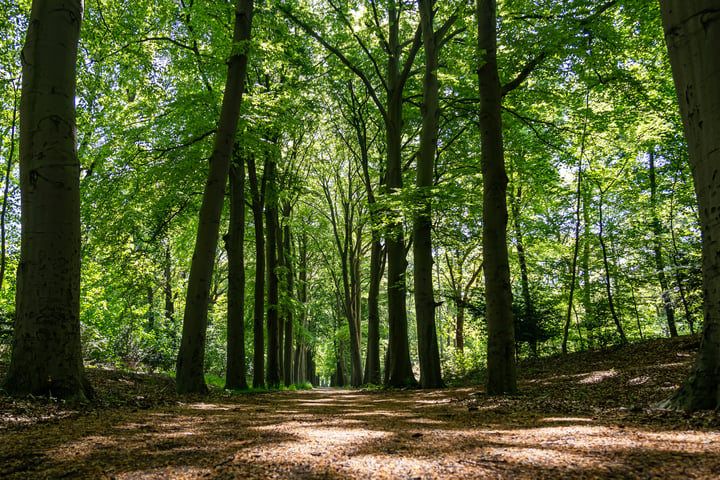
(399, 368)
(235, 247)
(258, 199)
(501, 377)
(301, 365)
(428, 353)
(46, 355)
(692, 33)
(290, 289)
(372, 360)
(190, 362)
(272, 375)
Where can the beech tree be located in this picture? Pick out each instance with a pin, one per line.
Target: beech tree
(501, 336)
(692, 33)
(190, 373)
(46, 355)
(430, 376)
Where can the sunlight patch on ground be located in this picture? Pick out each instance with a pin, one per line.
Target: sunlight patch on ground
(339, 436)
(566, 419)
(390, 466)
(598, 376)
(426, 421)
(673, 365)
(639, 380)
(168, 472)
(547, 457)
(433, 402)
(383, 413)
(208, 406)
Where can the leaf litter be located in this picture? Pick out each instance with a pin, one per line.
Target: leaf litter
(586, 415)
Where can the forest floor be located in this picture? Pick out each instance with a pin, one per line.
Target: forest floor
(586, 415)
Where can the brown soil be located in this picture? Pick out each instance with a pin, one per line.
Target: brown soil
(583, 416)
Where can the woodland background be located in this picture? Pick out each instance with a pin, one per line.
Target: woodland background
(603, 229)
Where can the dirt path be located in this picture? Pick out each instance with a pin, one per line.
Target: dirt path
(338, 434)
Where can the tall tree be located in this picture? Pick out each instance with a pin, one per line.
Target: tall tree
(341, 196)
(190, 375)
(289, 274)
(273, 373)
(234, 245)
(46, 355)
(257, 194)
(692, 33)
(501, 368)
(430, 373)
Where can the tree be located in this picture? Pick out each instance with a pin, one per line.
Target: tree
(257, 194)
(46, 355)
(343, 209)
(501, 336)
(399, 66)
(692, 33)
(430, 374)
(190, 375)
(234, 245)
(273, 374)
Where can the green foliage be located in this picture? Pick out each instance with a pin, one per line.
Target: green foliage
(150, 80)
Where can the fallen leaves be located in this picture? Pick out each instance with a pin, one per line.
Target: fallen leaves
(560, 426)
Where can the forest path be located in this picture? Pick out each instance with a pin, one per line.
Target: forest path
(336, 434)
(565, 423)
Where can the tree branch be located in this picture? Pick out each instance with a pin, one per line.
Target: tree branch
(335, 51)
(524, 73)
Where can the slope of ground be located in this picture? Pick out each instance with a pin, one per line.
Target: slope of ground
(586, 415)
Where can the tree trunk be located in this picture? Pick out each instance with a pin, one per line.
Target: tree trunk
(273, 327)
(377, 260)
(530, 323)
(290, 285)
(501, 377)
(587, 290)
(283, 295)
(356, 371)
(399, 368)
(573, 271)
(46, 355)
(235, 247)
(167, 285)
(372, 360)
(657, 249)
(460, 328)
(676, 269)
(151, 308)
(258, 199)
(301, 366)
(608, 284)
(190, 362)
(692, 33)
(430, 374)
